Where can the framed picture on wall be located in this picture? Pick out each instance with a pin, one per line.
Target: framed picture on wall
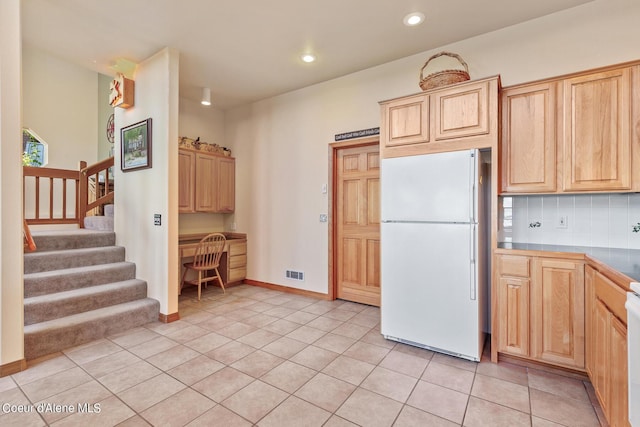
(135, 146)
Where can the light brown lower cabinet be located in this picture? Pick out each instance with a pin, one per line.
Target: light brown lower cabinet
(540, 312)
(607, 346)
(236, 261)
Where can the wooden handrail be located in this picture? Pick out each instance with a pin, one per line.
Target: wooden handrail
(98, 174)
(55, 183)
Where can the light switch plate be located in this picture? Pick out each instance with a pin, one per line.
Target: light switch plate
(157, 219)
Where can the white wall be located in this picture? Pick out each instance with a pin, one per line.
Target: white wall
(60, 103)
(281, 143)
(142, 193)
(104, 112)
(207, 123)
(11, 284)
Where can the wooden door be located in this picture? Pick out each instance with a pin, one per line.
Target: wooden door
(597, 131)
(357, 229)
(186, 181)
(558, 312)
(513, 312)
(529, 139)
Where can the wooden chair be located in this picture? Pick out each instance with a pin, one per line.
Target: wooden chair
(207, 257)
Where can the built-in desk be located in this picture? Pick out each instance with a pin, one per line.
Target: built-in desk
(233, 264)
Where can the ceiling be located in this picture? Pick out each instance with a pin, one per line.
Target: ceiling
(246, 50)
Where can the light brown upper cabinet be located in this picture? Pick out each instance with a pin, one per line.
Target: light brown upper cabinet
(454, 117)
(461, 111)
(206, 182)
(186, 181)
(407, 121)
(597, 131)
(573, 133)
(529, 138)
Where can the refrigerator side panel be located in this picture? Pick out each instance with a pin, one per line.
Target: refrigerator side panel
(428, 286)
(433, 187)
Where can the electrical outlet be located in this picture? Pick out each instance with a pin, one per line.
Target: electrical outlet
(563, 221)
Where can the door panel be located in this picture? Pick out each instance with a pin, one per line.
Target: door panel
(357, 229)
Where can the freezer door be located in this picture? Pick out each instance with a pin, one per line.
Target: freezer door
(437, 187)
(429, 280)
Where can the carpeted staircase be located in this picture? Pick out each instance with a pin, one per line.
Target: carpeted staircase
(78, 288)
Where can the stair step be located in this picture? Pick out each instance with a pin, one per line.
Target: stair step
(58, 334)
(52, 306)
(72, 239)
(49, 282)
(35, 262)
(99, 223)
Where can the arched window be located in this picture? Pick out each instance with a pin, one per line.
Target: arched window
(34, 149)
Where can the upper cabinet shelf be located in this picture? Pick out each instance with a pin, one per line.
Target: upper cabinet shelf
(572, 134)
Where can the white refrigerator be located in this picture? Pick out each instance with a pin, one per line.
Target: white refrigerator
(431, 295)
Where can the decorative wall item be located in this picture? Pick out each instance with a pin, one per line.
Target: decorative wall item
(121, 90)
(357, 134)
(110, 128)
(135, 146)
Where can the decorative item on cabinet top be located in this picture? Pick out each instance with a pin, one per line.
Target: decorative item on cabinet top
(444, 77)
(196, 144)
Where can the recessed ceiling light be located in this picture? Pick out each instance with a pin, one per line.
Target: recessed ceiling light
(413, 19)
(206, 96)
(307, 57)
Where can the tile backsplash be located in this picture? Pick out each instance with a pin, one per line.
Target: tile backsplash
(597, 220)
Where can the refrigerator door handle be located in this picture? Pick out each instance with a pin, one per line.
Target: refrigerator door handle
(472, 185)
(472, 256)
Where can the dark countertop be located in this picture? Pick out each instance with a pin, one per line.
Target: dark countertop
(625, 261)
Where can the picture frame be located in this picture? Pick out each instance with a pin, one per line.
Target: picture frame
(135, 146)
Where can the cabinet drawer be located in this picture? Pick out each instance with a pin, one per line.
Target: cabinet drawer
(612, 295)
(237, 248)
(188, 252)
(238, 261)
(518, 266)
(237, 274)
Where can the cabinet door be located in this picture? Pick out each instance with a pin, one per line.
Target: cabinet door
(225, 185)
(513, 315)
(589, 319)
(600, 339)
(405, 121)
(618, 386)
(186, 181)
(558, 312)
(461, 111)
(529, 139)
(597, 131)
(205, 182)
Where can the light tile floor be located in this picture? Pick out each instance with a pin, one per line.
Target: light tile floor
(261, 357)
